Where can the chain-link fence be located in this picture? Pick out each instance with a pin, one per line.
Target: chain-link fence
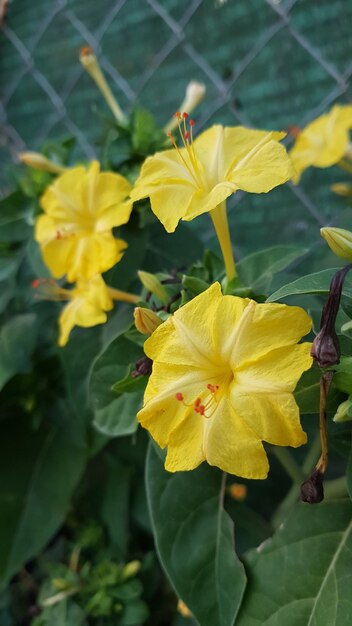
(265, 63)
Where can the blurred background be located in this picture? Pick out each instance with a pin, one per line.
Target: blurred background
(266, 63)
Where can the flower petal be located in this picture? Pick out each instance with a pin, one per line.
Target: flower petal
(274, 417)
(277, 370)
(264, 328)
(185, 448)
(162, 412)
(231, 445)
(186, 337)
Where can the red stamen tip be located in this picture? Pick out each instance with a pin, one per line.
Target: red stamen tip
(191, 122)
(35, 283)
(178, 115)
(179, 397)
(197, 402)
(200, 409)
(186, 135)
(212, 388)
(185, 115)
(169, 134)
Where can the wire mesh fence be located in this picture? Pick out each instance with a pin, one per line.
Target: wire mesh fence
(265, 63)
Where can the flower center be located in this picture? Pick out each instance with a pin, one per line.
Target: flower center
(187, 154)
(206, 403)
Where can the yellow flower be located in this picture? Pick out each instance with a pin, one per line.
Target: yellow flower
(75, 234)
(183, 183)
(339, 241)
(224, 372)
(87, 306)
(324, 141)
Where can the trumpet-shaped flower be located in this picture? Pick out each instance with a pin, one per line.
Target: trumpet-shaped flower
(185, 182)
(87, 303)
(324, 141)
(224, 372)
(80, 209)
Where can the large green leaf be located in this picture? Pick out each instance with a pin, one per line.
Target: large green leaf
(194, 539)
(114, 414)
(317, 283)
(17, 342)
(38, 472)
(256, 270)
(303, 575)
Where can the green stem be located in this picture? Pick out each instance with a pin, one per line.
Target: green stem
(288, 463)
(221, 225)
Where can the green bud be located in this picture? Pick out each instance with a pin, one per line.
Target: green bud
(344, 411)
(339, 241)
(153, 284)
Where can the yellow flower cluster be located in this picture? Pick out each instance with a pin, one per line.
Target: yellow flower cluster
(80, 209)
(224, 367)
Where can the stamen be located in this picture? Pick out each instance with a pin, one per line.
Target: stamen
(185, 115)
(48, 289)
(199, 406)
(58, 234)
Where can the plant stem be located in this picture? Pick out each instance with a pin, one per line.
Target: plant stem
(219, 218)
(123, 296)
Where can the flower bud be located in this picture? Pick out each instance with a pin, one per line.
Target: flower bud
(339, 241)
(146, 321)
(183, 609)
(131, 569)
(312, 490)
(344, 411)
(153, 284)
(342, 189)
(39, 162)
(91, 65)
(143, 367)
(326, 347)
(195, 93)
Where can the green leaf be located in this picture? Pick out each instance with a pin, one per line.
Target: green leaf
(256, 270)
(15, 218)
(194, 285)
(194, 540)
(128, 384)
(317, 283)
(38, 472)
(343, 376)
(115, 506)
(303, 575)
(307, 393)
(114, 415)
(17, 342)
(146, 136)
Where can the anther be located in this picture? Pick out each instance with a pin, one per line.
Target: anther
(179, 397)
(191, 122)
(178, 115)
(35, 283)
(186, 135)
(185, 115)
(58, 235)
